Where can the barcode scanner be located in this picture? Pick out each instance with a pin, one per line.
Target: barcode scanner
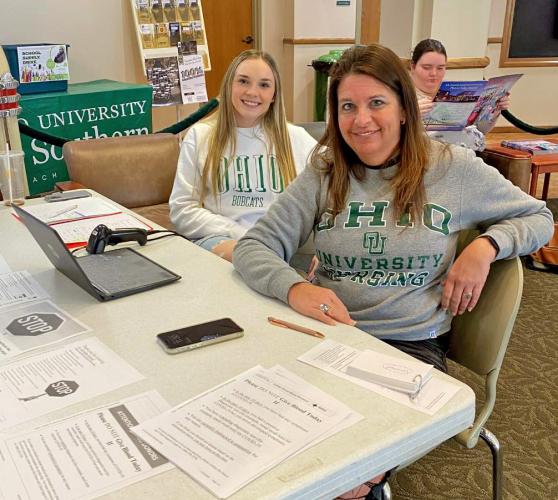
(102, 236)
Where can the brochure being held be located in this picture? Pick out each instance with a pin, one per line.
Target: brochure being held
(460, 104)
(453, 104)
(486, 111)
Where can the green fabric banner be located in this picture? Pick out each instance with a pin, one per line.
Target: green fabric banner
(90, 110)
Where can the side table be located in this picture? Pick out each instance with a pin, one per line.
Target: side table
(514, 165)
(542, 164)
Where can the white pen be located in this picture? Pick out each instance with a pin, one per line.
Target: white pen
(58, 214)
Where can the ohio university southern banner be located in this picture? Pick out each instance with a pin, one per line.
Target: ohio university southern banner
(102, 108)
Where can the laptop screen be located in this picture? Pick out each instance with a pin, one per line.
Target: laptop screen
(105, 276)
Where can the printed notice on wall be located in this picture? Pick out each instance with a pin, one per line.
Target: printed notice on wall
(42, 63)
(83, 456)
(40, 384)
(192, 79)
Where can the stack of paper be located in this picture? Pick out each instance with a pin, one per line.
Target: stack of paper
(64, 211)
(83, 456)
(334, 357)
(74, 220)
(19, 287)
(395, 373)
(233, 433)
(49, 381)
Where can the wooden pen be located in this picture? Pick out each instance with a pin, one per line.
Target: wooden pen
(296, 328)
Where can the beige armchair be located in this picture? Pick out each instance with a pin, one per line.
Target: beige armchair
(478, 342)
(135, 171)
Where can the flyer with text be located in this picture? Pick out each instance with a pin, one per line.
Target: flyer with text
(34, 325)
(40, 384)
(83, 456)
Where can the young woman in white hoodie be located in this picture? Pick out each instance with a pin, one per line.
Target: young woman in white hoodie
(234, 164)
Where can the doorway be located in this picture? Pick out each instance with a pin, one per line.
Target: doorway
(229, 29)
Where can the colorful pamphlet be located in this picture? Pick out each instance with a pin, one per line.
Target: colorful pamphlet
(535, 147)
(460, 104)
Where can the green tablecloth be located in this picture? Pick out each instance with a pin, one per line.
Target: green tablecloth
(102, 108)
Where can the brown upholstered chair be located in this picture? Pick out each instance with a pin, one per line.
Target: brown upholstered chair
(512, 164)
(135, 171)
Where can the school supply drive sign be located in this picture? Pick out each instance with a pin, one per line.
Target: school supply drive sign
(90, 110)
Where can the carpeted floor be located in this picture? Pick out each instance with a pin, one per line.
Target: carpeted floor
(525, 419)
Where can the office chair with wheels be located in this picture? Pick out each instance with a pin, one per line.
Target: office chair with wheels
(479, 341)
(135, 171)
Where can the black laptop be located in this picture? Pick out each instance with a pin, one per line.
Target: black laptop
(107, 275)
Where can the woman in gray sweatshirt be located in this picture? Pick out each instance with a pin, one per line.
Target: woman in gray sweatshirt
(385, 205)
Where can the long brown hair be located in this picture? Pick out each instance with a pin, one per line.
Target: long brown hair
(340, 161)
(223, 134)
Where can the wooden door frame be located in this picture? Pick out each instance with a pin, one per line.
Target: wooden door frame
(368, 29)
(257, 23)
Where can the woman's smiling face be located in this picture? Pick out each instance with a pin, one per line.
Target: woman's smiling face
(370, 118)
(253, 91)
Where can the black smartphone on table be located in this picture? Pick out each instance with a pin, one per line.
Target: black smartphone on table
(195, 336)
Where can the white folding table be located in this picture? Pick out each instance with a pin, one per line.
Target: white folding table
(390, 434)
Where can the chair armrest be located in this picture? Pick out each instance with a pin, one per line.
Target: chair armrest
(68, 186)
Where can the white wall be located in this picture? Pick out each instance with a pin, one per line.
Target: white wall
(324, 19)
(315, 19)
(100, 34)
(103, 44)
(278, 23)
(396, 25)
(461, 26)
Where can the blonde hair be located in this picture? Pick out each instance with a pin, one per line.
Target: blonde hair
(341, 161)
(223, 133)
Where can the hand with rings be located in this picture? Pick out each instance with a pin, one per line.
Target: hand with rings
(466, 277)
(319, 303)
(324, 308)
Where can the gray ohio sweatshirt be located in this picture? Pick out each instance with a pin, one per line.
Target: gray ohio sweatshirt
(388, 272)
